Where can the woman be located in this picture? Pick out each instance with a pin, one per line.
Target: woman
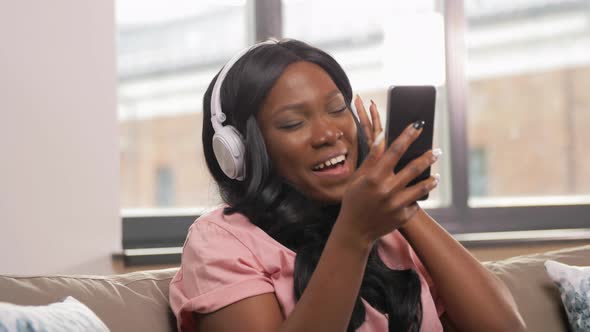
(318, 233)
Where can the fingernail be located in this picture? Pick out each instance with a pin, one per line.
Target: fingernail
(436, 178)
(418, 124)
(435, 182)
(372, 102)
(437, 152)
(378, 139)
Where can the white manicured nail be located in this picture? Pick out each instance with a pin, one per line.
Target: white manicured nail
(437, 152)
(437, 177)
(379, 138)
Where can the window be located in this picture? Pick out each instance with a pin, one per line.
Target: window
(378, 52)
(528, 72)
(478, 172)
(167, 56)
(511, 115)
(164, 186)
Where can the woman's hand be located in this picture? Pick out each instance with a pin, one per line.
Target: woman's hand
(372, 128)
(376, 200)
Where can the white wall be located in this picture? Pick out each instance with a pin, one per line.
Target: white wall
(59, 166)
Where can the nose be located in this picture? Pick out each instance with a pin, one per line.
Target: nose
(324, 132)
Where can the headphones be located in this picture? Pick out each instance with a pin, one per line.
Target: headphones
(228, 143)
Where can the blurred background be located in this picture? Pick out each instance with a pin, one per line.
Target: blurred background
(527, 73)
(102, 167)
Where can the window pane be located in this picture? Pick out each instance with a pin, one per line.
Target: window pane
(167, 55)
(165, 187)
(529, 107)
(370, 40)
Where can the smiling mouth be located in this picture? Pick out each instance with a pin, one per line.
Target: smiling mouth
(332, 163)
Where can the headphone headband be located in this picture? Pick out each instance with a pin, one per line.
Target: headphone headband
(228, 144)
(217, 115)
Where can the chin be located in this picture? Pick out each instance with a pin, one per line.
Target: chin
(330, 198)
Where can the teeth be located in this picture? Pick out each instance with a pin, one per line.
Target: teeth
(330, 162)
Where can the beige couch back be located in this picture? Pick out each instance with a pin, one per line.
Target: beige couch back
(135, 301)
(536, 296)
(138, 301)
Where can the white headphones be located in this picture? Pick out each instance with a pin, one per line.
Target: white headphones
(228, 143)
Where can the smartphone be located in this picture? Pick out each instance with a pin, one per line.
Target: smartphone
(405, 105)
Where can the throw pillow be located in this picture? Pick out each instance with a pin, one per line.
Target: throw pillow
(68, 315)
(574, 287)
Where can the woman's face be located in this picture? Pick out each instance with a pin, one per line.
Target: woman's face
(309, 132)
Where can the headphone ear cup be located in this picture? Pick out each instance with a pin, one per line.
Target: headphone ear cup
(228, 147)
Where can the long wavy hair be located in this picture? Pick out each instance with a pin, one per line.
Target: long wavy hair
(277, 207)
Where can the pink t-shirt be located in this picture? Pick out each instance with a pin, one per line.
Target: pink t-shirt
(227, 258)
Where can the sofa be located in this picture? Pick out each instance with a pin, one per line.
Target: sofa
(138, 301)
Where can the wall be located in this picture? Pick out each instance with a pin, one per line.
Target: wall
(59, 167)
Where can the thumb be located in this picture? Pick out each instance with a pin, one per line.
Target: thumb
(376, 151)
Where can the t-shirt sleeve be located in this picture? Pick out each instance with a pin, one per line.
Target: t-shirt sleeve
(438, 302)
(216, 270)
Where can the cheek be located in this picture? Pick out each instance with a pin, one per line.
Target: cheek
(350, 131)
(353, 133)
(285, 151)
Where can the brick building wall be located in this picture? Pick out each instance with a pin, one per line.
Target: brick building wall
(531, 129)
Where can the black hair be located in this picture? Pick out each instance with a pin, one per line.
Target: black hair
(277, 207)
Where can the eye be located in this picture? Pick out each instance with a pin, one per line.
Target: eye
(339, 110)
(290, 125)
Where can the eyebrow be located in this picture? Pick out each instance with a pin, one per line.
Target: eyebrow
(298, 106)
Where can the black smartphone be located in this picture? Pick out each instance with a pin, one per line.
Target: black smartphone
(405, 105)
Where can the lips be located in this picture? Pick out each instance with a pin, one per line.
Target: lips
(337, 172)
(329, 160)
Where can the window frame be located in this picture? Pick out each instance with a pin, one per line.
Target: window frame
(165, 234)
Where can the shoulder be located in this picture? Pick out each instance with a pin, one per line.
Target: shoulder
(215, 236)
(218, 266)
(214, 226)
(215, 260)
(216, 221)
(214, 231)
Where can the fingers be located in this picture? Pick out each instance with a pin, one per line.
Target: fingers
(376, 151)
(370, 128)
(366, 125)
(390, 188)
(411, 194)
(397, 149)
(377, 128)
(416, 167)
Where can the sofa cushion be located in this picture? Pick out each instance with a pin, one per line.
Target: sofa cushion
(136, 301)
(535, 293)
